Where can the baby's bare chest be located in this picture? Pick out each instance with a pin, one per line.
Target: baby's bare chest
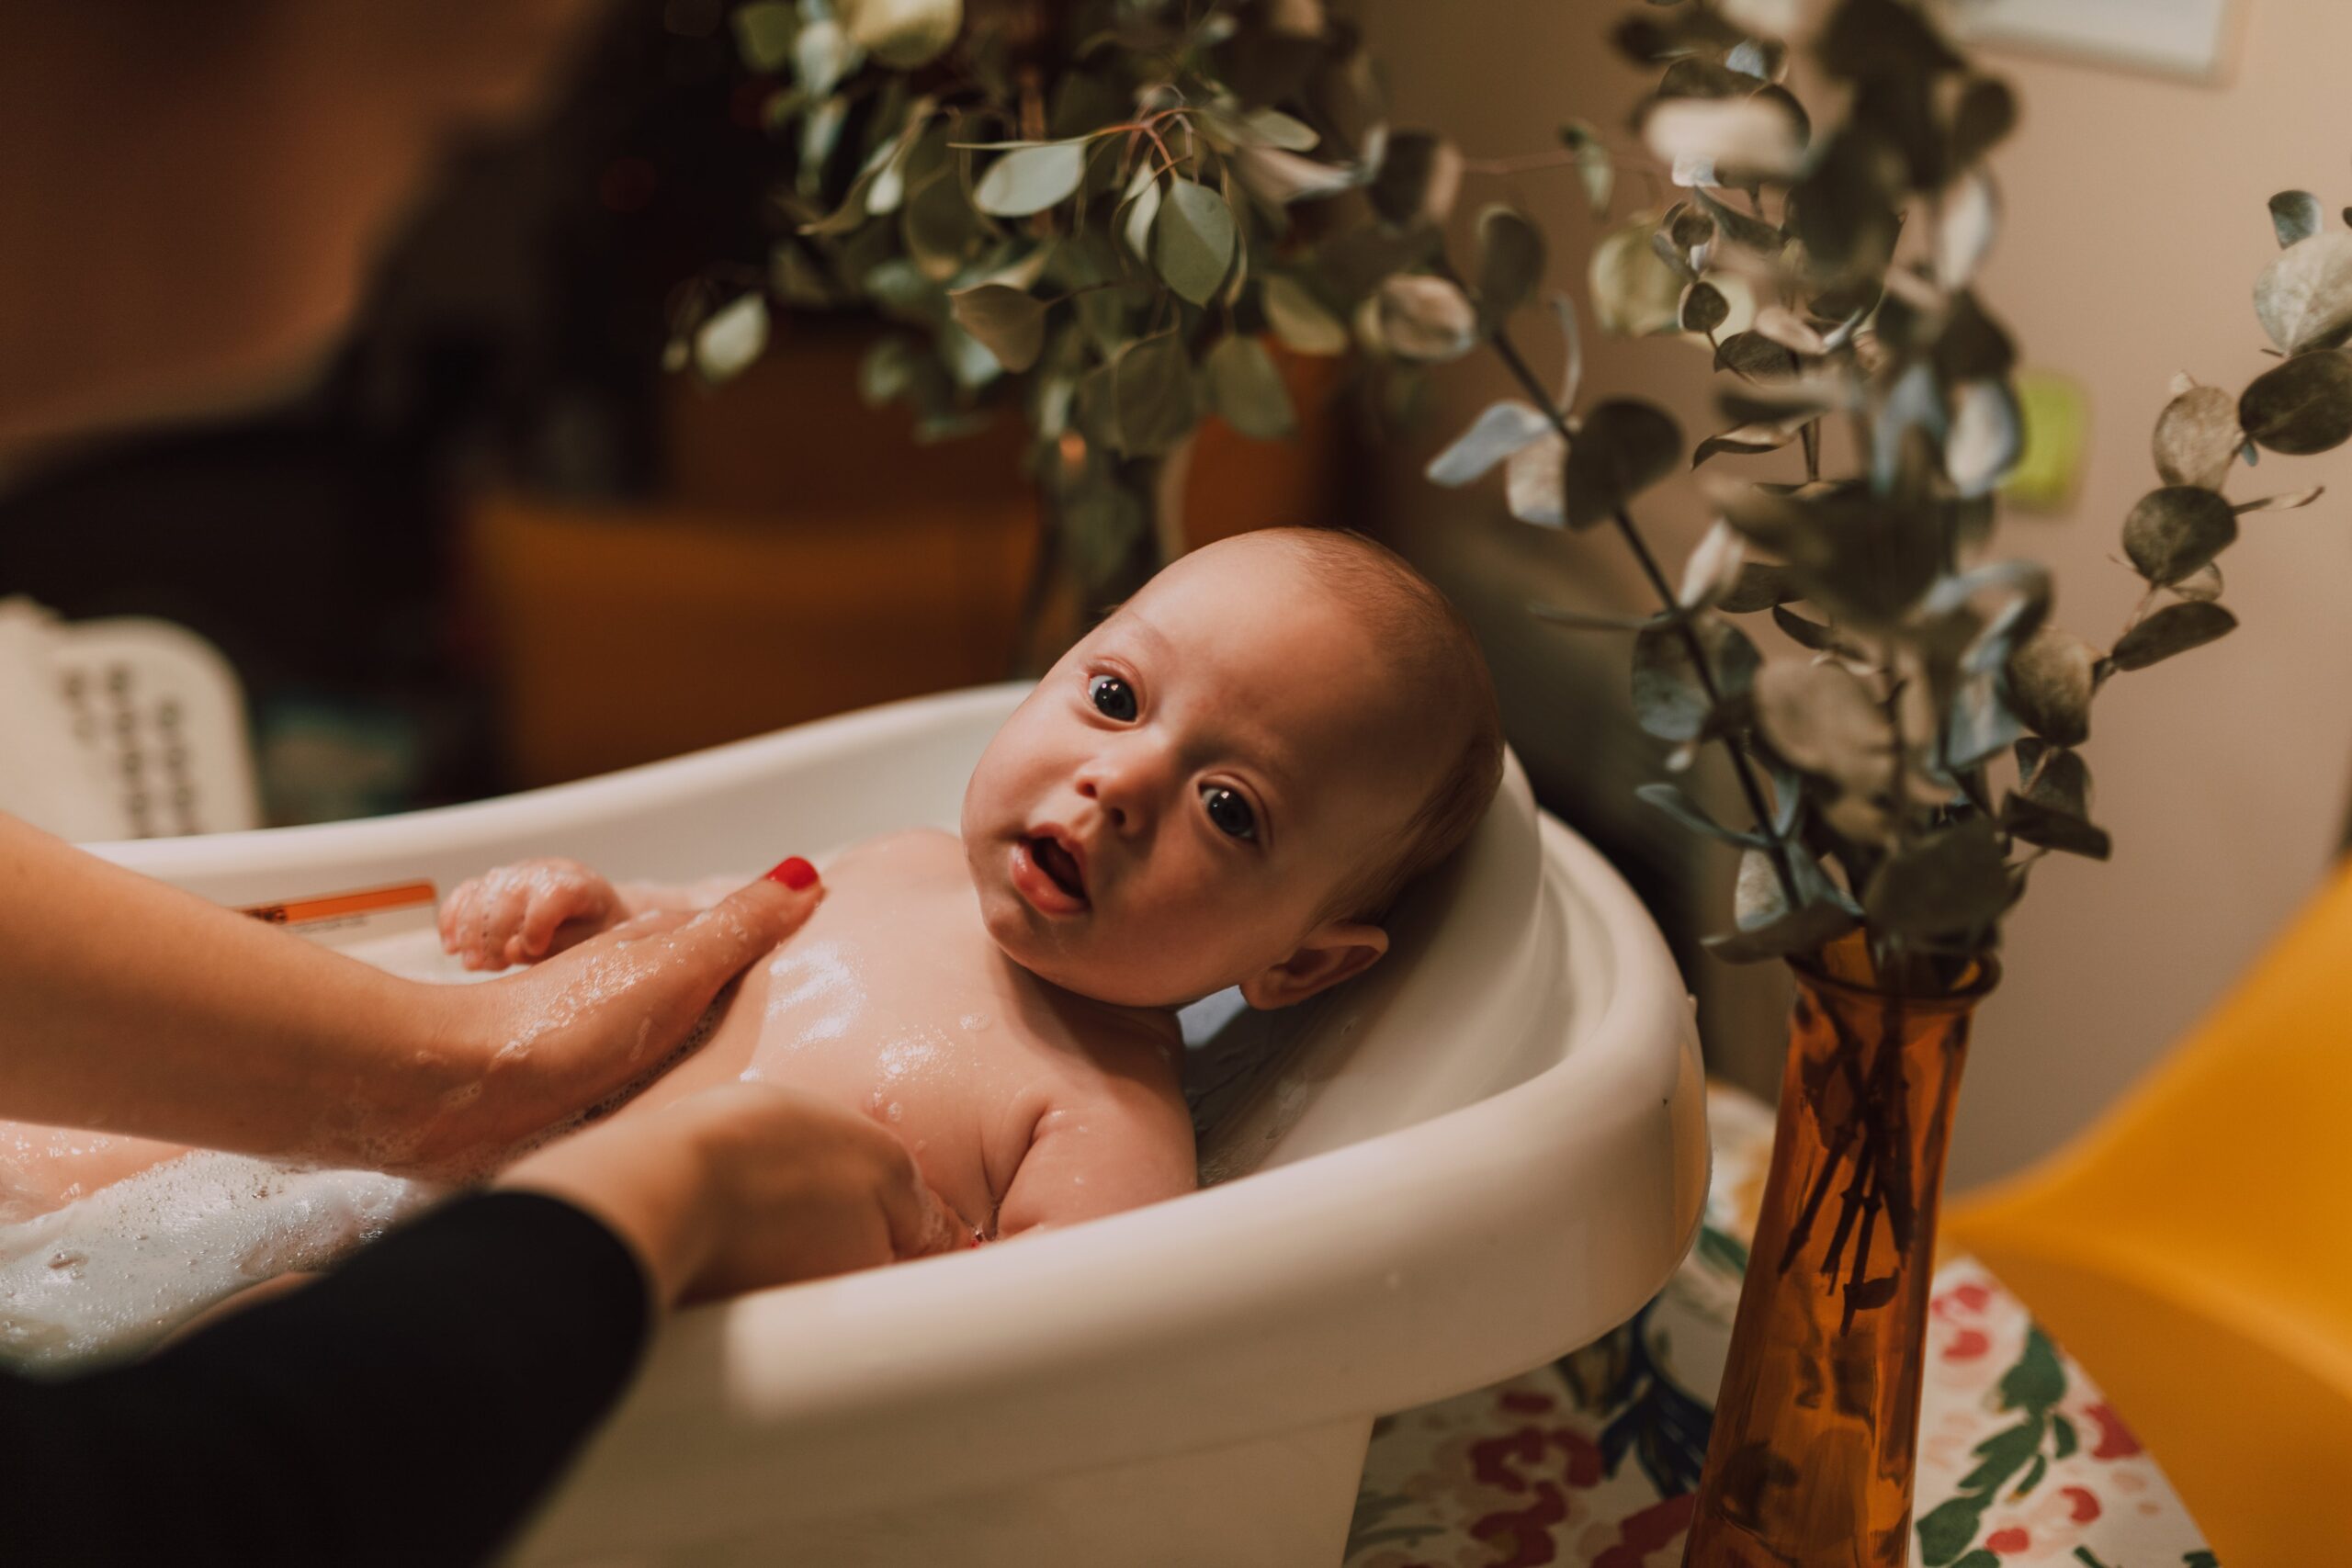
(894, 1003)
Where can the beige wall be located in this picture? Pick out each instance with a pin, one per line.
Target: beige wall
(2135, 228)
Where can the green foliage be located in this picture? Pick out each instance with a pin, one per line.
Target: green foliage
(1111, 212)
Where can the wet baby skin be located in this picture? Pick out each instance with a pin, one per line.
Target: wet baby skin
(1023, 1104)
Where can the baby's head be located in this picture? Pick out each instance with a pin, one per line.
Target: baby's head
(1230, 779)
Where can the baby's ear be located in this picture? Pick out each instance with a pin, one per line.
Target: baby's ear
(1333, 952)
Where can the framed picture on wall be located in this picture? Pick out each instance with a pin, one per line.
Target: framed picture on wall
(2176, 37)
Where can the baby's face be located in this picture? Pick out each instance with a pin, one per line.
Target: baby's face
(1170, 811)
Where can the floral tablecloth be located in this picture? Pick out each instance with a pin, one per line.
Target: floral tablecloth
(1593, 1460)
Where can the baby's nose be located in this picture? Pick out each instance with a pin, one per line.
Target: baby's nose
(1112, 802)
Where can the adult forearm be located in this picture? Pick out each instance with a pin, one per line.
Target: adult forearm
(131, 1006)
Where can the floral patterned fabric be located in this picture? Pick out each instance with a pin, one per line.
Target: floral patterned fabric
(1594, 1459)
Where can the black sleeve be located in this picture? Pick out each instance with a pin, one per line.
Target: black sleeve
(408, 1409)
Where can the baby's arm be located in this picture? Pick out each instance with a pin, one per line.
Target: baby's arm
(1120, 1144)
(534, 908)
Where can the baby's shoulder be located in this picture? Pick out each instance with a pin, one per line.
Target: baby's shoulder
(909, 851)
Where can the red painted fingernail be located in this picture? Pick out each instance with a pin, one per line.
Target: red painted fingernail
(795, 874)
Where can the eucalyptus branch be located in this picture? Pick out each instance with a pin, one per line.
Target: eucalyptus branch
(1743, 769)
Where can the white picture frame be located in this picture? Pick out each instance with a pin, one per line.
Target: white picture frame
(2187, 39)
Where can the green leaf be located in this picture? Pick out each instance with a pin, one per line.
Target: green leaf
(2053, 810)
(1300, 320)
(765, 31)
(902, 34)
(1768, 926)
(1986, 113)
(2197, 438)
(1762, 585)
(1008, 322)
(1248, 391)
(1142, 207)
(1425, 318)
(2063, 1430)
(1031, 179)
(1275, 129)
(2303, 406)
(1419, 174)
(2295, 215)
(1624, 447)
(1670, 799)
(2172, 532)
(2176, 628)
(1949, 883)
(1633, 292)
(1670, 701)
(1501, 430)
(731, 337)
(1193, 244)
(1510, 261)
(1150, 390)
(1703, 307)
(2049, 683)
(2304, 297)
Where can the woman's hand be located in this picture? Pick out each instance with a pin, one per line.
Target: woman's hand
(740, 1187)
(554, 1041)
(524, 912)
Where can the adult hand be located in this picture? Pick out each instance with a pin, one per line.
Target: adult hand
(745, 1186)
(557, 1039)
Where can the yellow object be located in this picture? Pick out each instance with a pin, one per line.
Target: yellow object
(2194, 1251)
(2057, 413)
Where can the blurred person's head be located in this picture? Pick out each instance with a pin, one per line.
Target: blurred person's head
(193, 192)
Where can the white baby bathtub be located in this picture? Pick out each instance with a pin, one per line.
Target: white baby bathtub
(1486, 1153)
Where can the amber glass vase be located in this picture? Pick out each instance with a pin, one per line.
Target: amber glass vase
(1811, 1459)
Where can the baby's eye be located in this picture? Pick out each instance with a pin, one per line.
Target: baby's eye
(1230, 812)
(1113, 697)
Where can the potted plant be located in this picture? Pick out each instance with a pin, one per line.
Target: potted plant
(1123, 205)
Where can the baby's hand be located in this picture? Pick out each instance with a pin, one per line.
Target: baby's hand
(524, 912)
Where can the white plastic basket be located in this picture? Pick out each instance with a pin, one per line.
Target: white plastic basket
(124, 728)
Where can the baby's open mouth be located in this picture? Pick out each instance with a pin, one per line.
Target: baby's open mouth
(1058, 864)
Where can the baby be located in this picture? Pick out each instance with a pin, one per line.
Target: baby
(1224, 785)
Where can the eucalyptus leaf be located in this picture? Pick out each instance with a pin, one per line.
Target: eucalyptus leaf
(1768, 926)
(765, 31)
(1986, 112)
(2302, 406)
(1986, 437)
(2172, 531)
(1510, 261)
(1502, 429)
(1813, 636)
(1740, 229)
(2295, 215)
(1735, 138)
(2287, 503)
(1951, 882)
(1150, 389)
(1031, 179)
(2053, 809)
(1711, 571)
(1670, 799)
(1282, 177)
(2201, 586)
(1532, 479)
(1007, 322)
(2176, 628)
(1822, 721)
(1623, 448)
(1747, 440)
(1633, 292)
(1669, 700)
(1753, 356)
(2304, 297)
(1427, 318)
(1193, 243)
(2197, 438)
(1970, 218)
(1143, 211)
(1418, 178)
(2050, 681)
(1762, 585)
(1301, 321)
(1703, 307)
(902, 34)
(1783, 326)
(1246, 391)
(731, 337)
(1596, 170)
